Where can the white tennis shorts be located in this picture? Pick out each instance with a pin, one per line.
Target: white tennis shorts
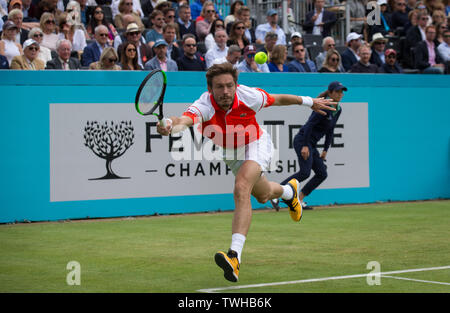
(261, 151)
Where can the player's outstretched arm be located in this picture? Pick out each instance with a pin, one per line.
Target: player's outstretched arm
(316, 104)
(174, 125)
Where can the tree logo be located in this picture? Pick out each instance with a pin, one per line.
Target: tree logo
(109, 142)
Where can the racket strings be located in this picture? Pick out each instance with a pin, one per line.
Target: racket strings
(150, 93)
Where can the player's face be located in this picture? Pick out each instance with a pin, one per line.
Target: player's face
(336, 95)
(223, 90)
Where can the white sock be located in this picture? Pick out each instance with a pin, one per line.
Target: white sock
(237, 244)
(288, 193)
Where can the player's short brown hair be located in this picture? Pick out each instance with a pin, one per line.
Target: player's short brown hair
(219, 69)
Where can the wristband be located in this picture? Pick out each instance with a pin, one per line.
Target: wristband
(308, 101)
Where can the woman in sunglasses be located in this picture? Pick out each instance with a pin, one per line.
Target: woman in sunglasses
(108, 61)
(208, 16)
(37, 35)
(129, 57)
(96, 18)
(8, 46)
(332, 62)
(237, 36)
(48, 26)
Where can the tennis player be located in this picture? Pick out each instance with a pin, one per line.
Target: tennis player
(226, 115)
(305, 145)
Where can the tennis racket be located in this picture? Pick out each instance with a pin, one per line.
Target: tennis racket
(150, 95)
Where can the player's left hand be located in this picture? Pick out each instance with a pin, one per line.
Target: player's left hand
(320, 104)
(323, 155)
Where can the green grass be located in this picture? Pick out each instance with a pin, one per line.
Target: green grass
(175, 253)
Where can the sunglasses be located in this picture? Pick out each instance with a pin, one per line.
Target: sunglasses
(112, 60)
(391, 56)
(190, 45)
(170, 16)
(240, 28)
(103, 35)
(251, 55)
(334, 59)
(38, 35)
(332, 45)
(131, 50)
(98, 12)
(131, 3)
(33, 48)
(211, 11)
(134, 33)
(50, 22)
(300, 50)
(401, 4)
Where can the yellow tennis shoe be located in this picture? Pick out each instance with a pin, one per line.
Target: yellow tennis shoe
(229, 263)
(295, 206)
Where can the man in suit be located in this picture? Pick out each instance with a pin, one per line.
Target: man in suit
(301, 64)
(160, 60)
(319, 21)
(93, 51)
(63, 61)
(378, 46)
(29, 59)
(16, 16)
(350, 55)
(414, 35)
(423, 61)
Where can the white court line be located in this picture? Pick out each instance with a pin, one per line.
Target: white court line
(417, 280)
(211, 290)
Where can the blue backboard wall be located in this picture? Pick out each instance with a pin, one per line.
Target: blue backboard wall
(409, 137)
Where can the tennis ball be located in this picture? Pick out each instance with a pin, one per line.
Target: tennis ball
(261, 57)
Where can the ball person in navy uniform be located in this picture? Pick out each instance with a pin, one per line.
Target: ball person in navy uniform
(305, 144)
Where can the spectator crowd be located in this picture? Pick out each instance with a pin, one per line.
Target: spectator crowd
(410, 36)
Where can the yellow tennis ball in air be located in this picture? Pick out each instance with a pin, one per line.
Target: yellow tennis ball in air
(261, 57)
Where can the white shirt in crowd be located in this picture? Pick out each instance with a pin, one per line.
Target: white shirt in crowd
(215, 53)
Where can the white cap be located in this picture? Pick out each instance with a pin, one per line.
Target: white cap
(381, 2)
(30, 42)
(353, 36)
(296, 34)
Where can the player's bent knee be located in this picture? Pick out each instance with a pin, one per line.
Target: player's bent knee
(262, 199)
